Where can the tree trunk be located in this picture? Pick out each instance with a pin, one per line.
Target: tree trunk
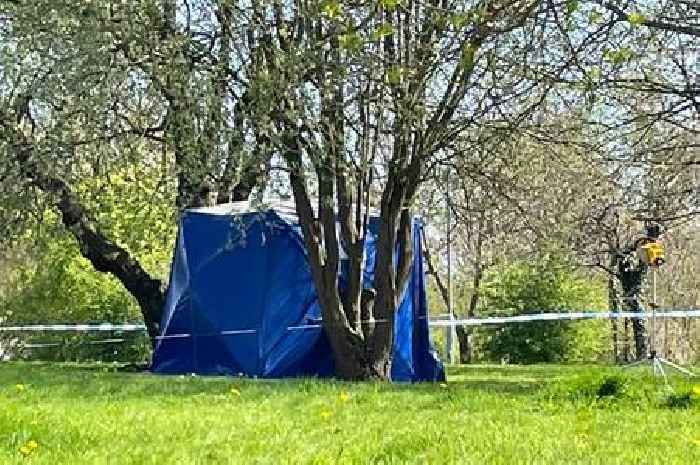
(631, 278)
(103, 254)
(381, 338)
(640, 338)
(614, 307)
(626, 349)
(389, 281)
(463, 334)
(465, 348)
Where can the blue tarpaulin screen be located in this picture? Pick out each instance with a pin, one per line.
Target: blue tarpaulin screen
(241, 300)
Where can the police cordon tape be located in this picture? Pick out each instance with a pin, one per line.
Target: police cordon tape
(563, 317)
(79, 328)
(691, 313)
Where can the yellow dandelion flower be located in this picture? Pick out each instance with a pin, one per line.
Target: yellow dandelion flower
(20, 387)
(28, 448)
(696, 441)
(344, 397)
(325, 414)
(696, 390)
(235, 392)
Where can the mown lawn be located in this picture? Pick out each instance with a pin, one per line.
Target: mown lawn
(484, 415)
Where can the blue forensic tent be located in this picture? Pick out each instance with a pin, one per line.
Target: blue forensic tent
(241, 300)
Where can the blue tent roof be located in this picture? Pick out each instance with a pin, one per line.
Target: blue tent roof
(241, 300)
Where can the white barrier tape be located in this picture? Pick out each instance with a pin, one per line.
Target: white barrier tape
(438, 323)
(80, 328)
(294, 328)
(314, 326)
(563, 317)
(173, 336)
(58, 344)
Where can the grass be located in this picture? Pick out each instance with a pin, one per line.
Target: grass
(485, 415)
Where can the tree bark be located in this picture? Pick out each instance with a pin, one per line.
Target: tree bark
(394, 232)
(614, 308)
(465, 345)
(613, 305)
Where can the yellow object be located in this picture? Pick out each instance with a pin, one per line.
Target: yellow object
(652, 253)
(29, 448)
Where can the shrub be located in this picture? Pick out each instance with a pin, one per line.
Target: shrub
(526, 288)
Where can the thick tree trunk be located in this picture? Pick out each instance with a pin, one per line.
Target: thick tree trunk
(380, 341)
(394, 232)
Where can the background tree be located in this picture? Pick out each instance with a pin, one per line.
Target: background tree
(91, 88)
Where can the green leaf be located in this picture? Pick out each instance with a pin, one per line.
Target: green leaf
(389, 5)
(571, 6)
(394, 75)
(350, 41)
(594, 73)
(459, 20)
(331, 8)
(467, 59)
(617, 56)
(384, 30)
(594, 17)
(636, 19)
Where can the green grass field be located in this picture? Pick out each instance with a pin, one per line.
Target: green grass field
(483, 415)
